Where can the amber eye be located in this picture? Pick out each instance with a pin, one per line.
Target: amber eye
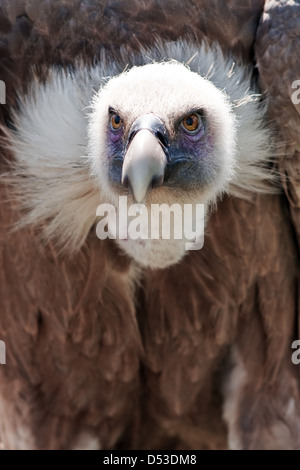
(191, 123)
(115, 121)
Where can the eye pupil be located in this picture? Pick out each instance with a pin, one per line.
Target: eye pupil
(115, 122)
(191, 123)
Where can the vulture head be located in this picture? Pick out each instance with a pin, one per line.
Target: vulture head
(160, 132)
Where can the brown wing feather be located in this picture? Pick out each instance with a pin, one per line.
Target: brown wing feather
(233, 291)
(36, 32)
(277, 50)
(63, 323)
(84, 26)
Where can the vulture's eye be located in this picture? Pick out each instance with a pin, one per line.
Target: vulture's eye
(115, 122)
(191, 123)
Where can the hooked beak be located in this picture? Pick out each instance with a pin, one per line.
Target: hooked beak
(146, 156)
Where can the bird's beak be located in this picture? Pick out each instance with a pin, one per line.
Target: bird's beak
(146, 156)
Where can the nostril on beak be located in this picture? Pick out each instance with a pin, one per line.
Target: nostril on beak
(131, 136)
(125, 182)
(162, 139)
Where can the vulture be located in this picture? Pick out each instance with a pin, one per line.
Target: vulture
(184, 114)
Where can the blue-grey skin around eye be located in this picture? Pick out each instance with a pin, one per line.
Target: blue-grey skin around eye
(189, 163)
